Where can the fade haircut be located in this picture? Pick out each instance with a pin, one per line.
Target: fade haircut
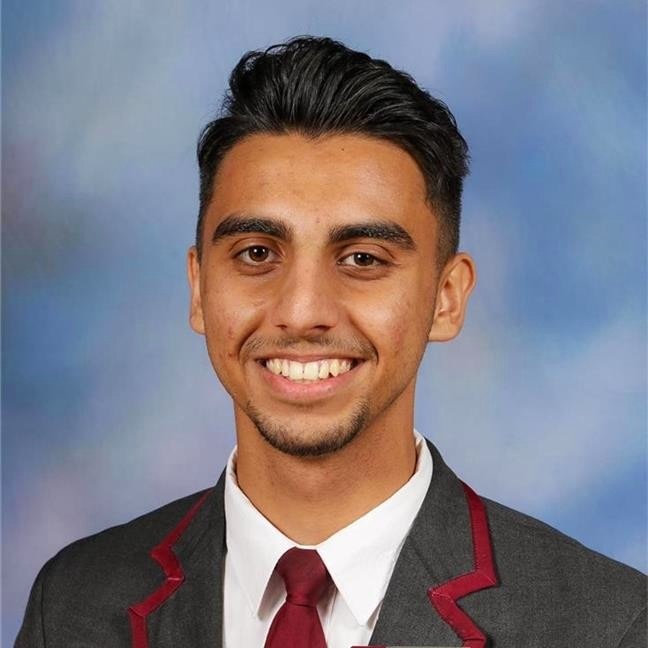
(317, 86)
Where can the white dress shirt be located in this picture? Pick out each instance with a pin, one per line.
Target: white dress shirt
(360, 559)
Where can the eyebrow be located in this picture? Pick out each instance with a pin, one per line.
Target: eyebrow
(237, 224)
(378, 230)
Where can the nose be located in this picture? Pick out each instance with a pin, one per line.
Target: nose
(305, 303)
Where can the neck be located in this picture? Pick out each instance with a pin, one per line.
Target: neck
(310, 498)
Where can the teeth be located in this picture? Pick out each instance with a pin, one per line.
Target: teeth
(311, 371)
(323, 369)
(296, 370)
(335, 367)
(307, 371)
(285, 368)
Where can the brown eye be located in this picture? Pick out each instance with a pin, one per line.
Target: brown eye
(258, 253)
(255, 254)
(361, 260)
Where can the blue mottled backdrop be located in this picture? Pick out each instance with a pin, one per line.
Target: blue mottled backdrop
(109, 404)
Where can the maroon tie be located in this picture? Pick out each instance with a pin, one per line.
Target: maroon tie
(297, 624)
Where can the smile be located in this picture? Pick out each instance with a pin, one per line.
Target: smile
(309, 372)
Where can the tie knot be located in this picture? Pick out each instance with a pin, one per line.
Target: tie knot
(305, 576)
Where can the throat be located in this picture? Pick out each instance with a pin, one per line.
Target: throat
(310, 499)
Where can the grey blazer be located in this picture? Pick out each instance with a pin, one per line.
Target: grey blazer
(156, 582)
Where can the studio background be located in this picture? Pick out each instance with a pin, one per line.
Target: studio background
(109, 405)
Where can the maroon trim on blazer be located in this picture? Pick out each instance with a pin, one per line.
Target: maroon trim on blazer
(164, 556)
(444, 597)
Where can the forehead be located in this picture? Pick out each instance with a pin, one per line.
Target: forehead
(333, 178)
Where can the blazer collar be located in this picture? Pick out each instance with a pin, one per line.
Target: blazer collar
(438, 550)
(186, 608)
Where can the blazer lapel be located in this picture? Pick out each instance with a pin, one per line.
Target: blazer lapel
(438, 548)
(186, 609)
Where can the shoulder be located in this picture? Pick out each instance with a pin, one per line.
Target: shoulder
(561, 577)
(533, 540)
(124, 545)
(85, 588)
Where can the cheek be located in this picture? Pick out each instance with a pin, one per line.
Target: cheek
(395, 330)
(396, 326)
(229, 320)
(404, 317)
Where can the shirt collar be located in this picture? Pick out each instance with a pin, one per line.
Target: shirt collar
(254, 544)
(360, 557)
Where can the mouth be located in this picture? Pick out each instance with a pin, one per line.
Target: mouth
(310, 372)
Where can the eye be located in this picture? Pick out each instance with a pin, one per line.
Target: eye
(255, 254)
(361, 260)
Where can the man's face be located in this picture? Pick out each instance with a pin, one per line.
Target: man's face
(317, 284)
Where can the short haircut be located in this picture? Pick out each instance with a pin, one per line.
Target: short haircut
(317, 86)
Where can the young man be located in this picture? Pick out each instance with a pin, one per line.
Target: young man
(325, 260)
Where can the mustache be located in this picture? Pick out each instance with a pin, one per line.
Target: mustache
(352, 346)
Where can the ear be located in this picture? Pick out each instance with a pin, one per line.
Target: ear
(457, 280)
(196, 319)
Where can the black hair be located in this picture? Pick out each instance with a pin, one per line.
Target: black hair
(317, 86)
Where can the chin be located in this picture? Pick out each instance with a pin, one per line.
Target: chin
(309, 439)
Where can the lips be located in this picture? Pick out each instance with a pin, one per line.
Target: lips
(300, 390)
